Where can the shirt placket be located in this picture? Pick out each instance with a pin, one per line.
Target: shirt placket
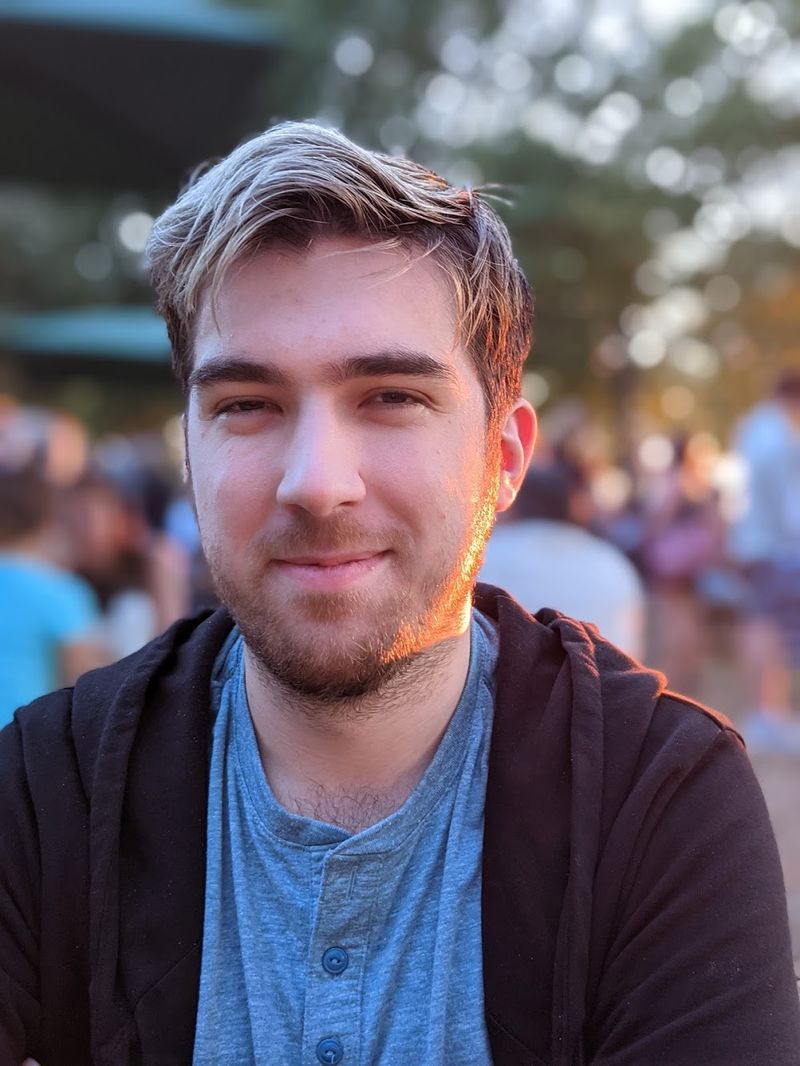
(344, 921)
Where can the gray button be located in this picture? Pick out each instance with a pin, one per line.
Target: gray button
(330, 1051)
(335, 960)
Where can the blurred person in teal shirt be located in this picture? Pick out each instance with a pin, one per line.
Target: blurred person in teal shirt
(49, 618)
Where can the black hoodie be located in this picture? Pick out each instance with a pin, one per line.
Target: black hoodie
(633, 907)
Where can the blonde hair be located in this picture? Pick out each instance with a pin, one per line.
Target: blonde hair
(299, 181)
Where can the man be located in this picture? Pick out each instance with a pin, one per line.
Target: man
(369, 823)
(49, 618)
(765, 542)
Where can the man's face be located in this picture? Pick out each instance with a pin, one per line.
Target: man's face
(343, 479)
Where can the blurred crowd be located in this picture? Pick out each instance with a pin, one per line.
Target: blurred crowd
(99, 550)
(683, 551)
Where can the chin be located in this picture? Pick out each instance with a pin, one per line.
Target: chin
(330, 685)
(342, 646)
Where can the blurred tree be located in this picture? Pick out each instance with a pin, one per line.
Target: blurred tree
(643, 154)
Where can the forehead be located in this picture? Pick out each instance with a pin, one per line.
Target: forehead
(337, 296)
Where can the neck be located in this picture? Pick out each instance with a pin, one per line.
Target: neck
(354, 763)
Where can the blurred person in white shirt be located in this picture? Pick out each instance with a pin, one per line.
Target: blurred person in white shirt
(544, 557)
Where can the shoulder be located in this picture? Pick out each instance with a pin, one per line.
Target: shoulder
(685, 735)
(621, 708)
(706, 719)
(643, 719)
(36, 585)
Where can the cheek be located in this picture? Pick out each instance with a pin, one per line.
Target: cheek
(217, 464)
(442, 487)
(230, 496)
(463, 466)
(410, 478)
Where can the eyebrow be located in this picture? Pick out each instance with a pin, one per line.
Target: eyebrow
(234, 368)
(403, 362)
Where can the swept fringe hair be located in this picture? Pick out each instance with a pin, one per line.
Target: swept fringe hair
(299, 181)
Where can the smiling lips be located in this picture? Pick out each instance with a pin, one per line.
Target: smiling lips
(329, 573)
(342, 559)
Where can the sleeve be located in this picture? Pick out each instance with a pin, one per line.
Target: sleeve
(19, 904)
(698, 967)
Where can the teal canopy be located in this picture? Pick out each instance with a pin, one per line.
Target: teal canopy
(125, 94)
(180, 18)
(134, 334)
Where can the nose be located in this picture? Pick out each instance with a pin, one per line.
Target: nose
(321, 466)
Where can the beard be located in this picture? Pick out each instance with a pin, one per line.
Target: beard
(335, 648)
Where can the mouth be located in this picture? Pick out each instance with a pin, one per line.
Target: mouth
(330, 573)
(341, 559)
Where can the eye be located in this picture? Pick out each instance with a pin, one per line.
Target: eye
(247, 406)
(397, 398)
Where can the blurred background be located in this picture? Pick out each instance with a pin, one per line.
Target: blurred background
(646, 157)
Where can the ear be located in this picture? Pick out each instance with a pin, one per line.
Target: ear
(517, 439)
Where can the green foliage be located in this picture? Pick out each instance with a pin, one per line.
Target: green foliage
(465, 86)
